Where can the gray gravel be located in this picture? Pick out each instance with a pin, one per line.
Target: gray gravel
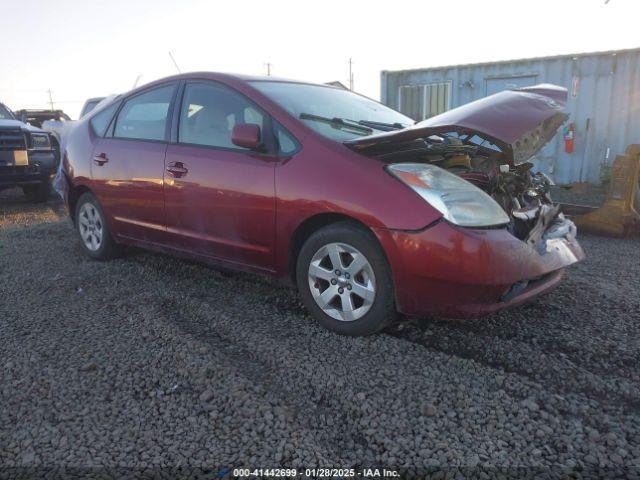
(150, 361)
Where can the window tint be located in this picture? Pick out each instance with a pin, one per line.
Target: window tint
(210, 111)
(145, 116)
(100, 121)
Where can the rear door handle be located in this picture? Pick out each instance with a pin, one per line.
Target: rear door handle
(177, 169)
(100, 159)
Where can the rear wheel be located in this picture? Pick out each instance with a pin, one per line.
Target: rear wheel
(37, 193)
(95, 237)
(345, 281)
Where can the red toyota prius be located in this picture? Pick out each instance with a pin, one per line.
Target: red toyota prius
(367, 212)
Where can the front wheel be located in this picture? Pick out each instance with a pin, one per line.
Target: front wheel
(91, 224)
(345, 281)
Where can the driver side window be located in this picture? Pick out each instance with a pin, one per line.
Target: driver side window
(210, 111)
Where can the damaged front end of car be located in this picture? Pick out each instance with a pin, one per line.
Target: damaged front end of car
(489, 143)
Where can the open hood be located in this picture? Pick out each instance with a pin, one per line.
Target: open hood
(520, 122)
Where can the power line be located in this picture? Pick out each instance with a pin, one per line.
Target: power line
(69, 101)
(50, 99)
(350, 74)
(20, 90)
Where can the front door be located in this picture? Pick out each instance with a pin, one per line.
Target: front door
(219, 198)
(128, 166)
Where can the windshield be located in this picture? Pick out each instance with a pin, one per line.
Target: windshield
(315, 105)
(5, 114)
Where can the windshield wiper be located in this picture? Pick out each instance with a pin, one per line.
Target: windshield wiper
(385, 127)
(362, 125)
(337, 122)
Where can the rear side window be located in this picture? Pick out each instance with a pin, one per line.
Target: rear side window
(100, 122)
(144, 116)
(210, 111)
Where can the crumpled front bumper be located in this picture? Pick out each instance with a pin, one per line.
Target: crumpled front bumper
(460, 272)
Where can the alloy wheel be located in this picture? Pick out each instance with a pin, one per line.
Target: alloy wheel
(342, 281)
(90, 226)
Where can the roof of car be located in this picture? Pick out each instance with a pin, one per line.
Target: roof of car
(229, 77)
(265, 78)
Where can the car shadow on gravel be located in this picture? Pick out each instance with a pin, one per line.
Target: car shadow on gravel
(212, 299)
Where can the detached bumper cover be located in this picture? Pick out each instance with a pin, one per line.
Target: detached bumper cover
(459, 272)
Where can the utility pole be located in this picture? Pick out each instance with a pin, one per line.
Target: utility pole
(50, 98)
(174, 62)
(268, 65)
(135, 84)
(350, 74)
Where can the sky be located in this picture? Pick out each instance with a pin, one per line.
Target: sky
(85, 48)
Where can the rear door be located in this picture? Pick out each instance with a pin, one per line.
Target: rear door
(128, 165)
(220, 198)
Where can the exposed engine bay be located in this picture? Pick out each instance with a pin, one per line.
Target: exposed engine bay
(523, 194)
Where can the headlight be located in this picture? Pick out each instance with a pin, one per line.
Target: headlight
(40, 141)
(458, 200)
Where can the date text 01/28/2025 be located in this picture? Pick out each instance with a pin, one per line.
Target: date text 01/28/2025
(315, 473)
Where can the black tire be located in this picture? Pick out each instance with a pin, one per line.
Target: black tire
(381, 312)
(107, 247)
(37, 193)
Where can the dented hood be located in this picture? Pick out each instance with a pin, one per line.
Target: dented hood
(520, 122)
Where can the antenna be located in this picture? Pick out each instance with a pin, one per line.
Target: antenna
(135, 84)
(350, 74)
(174, 62)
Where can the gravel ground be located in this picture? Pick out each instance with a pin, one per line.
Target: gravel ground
(150, 362)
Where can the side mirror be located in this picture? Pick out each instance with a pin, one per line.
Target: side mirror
(246, 135)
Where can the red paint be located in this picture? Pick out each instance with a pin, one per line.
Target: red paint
(568, 138)
(241, 209)
(246, 135)
(506, 118)
(131, 192)
(224, 206)
(459, 272)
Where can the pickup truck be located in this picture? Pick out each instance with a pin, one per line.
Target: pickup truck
(28, 157)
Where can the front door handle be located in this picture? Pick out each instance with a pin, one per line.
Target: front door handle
(177, 169)
(100, 159)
